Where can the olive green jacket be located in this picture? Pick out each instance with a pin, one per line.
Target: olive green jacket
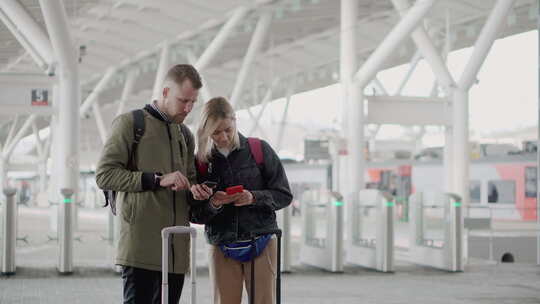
(145, 208)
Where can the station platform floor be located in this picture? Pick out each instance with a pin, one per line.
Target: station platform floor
(94, 281)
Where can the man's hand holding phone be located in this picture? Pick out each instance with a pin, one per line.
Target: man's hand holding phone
(201, 192)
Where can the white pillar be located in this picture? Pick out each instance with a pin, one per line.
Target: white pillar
(3, 173)
(281, 131)
(161, 71)
(11, 131)
(460, 107)
(537, 177)
(100, 86)
(128, 89)
(55, 17)
(8, 149)
(267, 98)
(461, 153)
(39, 143)
(53, 193)
(99, 122)
(205, 90)
(350, 167)
(255, 44)
(412, 66)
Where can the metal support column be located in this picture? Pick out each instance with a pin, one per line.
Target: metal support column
(9, 235)
(55, 17)
(348, 65)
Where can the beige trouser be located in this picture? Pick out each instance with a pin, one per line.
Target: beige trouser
(229, 276)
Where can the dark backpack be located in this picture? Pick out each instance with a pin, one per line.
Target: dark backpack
(255, 147)
(138, 132)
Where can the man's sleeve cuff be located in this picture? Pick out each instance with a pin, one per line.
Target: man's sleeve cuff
(148, 181)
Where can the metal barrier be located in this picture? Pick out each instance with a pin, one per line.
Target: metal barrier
(65, 232)
(284, 222)
(441, 249)
(371, 230)
(9, 232)
(500, 233)
(322, 243)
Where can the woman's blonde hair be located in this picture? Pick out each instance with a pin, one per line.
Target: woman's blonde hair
(213, 113)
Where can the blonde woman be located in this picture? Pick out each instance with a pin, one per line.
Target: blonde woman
(227, 158)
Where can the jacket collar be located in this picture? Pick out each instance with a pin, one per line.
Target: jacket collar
(243, 144)
(154, 111)
(243, 141)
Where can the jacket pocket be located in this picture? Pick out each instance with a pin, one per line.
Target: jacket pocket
(129, 206)
(249, 176)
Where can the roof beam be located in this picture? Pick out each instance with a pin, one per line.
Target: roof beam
(150, 19)
(27, 31)
(401, 31)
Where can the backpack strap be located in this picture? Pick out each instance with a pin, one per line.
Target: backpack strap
(138, 132)
(185, 132)
(255, 146)
(202, 167)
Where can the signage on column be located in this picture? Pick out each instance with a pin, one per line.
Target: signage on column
(40, 97)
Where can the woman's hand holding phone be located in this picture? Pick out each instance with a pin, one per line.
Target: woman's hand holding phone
(221, 198)
(243, 198)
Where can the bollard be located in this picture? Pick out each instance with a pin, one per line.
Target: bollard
(284, 218)
(65, 232)
(9, 237)
(336, 232)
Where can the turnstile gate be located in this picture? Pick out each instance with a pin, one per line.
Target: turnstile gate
(322, 233)
(370, 241)
(436, 236)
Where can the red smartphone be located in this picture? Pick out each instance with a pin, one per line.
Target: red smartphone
(234, 189)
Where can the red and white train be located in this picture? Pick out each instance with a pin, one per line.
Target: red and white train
(506, 184)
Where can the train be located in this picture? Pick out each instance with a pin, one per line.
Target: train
(505, 184)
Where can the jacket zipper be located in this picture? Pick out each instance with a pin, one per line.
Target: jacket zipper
(173, 194)
(235, 209)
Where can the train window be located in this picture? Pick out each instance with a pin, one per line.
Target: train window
(501, 191)
(474, 190)
(530, 181)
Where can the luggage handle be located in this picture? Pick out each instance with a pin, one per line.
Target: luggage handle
(255, 234)
(165, 237)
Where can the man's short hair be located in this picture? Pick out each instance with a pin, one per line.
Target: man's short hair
(181, 72)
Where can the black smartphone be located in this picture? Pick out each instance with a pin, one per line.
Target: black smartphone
(210, 184)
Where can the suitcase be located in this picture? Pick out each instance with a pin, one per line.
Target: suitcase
(255, 234)
(165, 237)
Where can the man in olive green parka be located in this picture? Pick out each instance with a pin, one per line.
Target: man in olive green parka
(157, 194)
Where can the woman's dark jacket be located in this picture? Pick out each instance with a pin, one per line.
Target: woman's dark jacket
(267, 182)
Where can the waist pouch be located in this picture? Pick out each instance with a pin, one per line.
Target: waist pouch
(245, 251)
